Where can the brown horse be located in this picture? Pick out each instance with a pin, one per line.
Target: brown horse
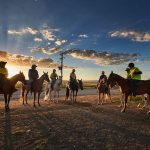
(36, 88)
(103, 90)
(143, 86)
(8, 87)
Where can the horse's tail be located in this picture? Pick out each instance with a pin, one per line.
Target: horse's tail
(67, 92)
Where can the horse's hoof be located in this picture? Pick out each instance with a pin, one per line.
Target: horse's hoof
(148, 113)
(34, 105)
(122, 111)
(39, 104)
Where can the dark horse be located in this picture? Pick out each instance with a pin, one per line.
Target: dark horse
(8, 87)
(143, 86)
(35, 88)
(72, 90)
(105, 91)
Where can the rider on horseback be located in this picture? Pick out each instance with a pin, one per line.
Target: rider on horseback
(33, 75)
(103, 78)
(73, 77)
(53, 77)
(135, 75)
(4, 73)
(128, 73)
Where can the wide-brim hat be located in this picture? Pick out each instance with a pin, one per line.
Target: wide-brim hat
(34, 66)
(3, 62)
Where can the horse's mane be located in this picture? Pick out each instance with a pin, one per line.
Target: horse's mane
(118, 76)
(13, 77)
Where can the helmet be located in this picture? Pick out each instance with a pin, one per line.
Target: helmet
(73, 70)
(34, 66)
(131, 65)
(54, 70)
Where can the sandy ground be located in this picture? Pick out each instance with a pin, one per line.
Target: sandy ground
(68, 126)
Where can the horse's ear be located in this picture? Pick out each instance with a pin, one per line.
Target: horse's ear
(43, 72)
(47, 72)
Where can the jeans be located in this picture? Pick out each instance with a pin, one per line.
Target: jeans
(133, 86)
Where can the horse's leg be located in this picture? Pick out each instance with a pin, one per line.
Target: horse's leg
(50, 92)
(39, 98)
(99, 97)
(5, 97)
(34, 99)
(76, 95)
(71, 95)
(109, 95)
(22, 95)
(125, 103)
(8, 100)
(55, 96)
(26, 94)
(121, 100)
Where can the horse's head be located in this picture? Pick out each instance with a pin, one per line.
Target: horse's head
(80, 84)
(21, 77)
(45, 76)
(112, 80)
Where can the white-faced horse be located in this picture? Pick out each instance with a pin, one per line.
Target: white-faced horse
(56, 88)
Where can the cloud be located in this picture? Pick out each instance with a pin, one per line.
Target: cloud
(47, 50)
(102, 58)
(38, 40)
(83, 36)
(134, 36)
(60, 42)
(23, 31)
(47, 34)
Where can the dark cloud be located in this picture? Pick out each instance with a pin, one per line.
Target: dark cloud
(102, 58)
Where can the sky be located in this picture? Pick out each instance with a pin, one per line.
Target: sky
(95, 35)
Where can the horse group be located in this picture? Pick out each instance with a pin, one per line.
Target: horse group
(8, 88)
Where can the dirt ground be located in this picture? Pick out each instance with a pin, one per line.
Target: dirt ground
(80, 126)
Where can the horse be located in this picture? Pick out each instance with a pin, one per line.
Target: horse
(36, 88)
(122, 96)
(8, 88)
(56, 88)
(143, 87)
(103, 89)
(72, 89)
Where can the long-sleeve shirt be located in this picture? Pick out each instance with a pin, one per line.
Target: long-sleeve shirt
(33, 74)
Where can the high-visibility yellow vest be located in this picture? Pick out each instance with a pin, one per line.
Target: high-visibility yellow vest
(4, 71)
(54, 76)
(135, 76)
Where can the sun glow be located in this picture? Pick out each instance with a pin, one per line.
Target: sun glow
(12, 70)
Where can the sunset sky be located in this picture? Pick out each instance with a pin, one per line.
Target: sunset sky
(95, 35)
